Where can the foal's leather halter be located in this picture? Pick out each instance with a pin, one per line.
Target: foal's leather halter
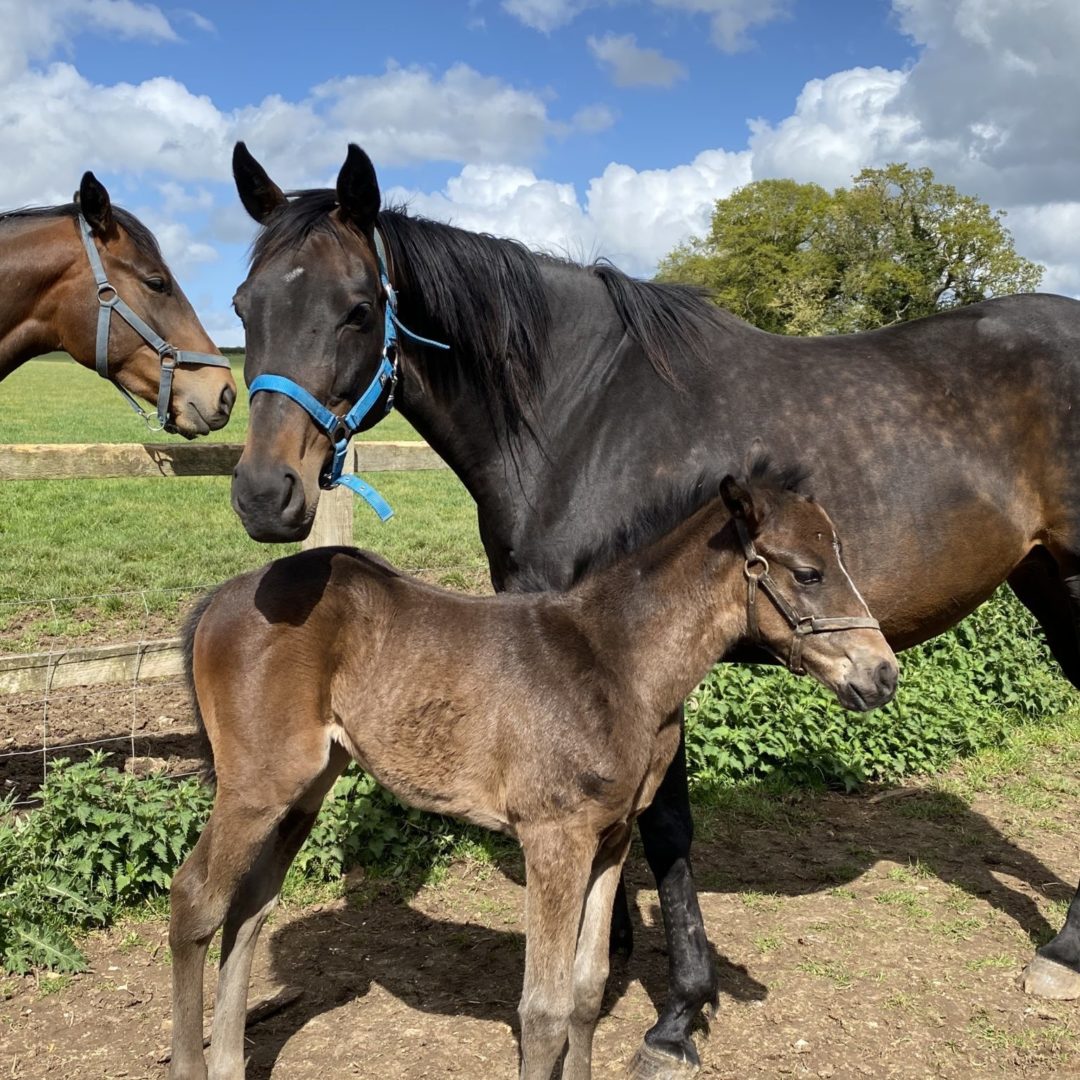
(169, 355)
(756, 572)
(340, 429)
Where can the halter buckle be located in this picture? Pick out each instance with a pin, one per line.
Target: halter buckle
(107, 301)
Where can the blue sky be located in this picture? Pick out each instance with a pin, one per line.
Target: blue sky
(588, 127)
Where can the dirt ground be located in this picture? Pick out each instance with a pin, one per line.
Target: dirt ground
(872, 936)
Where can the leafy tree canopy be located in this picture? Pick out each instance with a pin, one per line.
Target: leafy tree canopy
(794, 259)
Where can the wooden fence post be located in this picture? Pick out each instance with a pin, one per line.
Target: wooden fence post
(333, 523)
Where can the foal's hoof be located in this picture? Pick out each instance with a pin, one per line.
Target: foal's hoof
(1048, 979)
(652, 1064)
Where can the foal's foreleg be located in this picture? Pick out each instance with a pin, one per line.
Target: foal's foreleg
(667, 830)
(202, 890)
(253, 901)
(558, 865)
(591, 962)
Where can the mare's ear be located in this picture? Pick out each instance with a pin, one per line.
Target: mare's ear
(93, 202)
(358, 190)
(740, 501)
(259, 194)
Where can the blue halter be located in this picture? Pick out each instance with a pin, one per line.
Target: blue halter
(169, 355)
(340, 429)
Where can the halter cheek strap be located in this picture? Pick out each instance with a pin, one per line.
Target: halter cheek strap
(756, 572)
(340, 429)
(169, 356)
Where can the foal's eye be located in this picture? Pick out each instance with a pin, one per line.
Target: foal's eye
(156, 284)
(807, 575)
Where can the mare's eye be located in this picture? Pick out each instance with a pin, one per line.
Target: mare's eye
(807, 575)
(360, 316)
(156, 284)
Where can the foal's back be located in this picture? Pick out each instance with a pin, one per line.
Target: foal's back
(459, 704)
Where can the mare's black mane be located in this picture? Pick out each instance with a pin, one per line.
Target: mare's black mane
(141, 236)
(654, 520)
(484, 295)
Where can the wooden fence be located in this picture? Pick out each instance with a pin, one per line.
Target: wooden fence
(41, 672)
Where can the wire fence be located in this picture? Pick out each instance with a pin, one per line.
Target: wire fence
(103, 672)
(74, 678)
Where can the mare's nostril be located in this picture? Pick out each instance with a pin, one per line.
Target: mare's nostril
(226, 401)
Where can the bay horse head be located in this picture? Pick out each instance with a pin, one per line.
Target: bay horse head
(117, 309)
(317, 308)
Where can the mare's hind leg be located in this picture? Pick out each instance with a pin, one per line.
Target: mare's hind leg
(252, 903)
(1051, 592)
(1050, 588)
(591, 962)
(667, 830)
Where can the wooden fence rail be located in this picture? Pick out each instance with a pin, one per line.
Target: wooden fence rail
(37, 672)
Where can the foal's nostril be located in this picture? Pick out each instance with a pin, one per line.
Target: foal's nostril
(227, 400)
(885, 677)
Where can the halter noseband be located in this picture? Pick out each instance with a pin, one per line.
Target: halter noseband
(340, 429)
(169, 355)
(756, 572)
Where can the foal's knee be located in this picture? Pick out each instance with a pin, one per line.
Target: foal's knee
(192, 919)
(544, 1021)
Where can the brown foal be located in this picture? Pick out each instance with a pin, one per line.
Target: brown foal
(544, 715)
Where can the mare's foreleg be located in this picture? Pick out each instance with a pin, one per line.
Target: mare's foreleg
(667, 831)
(558, 866)
(253, 901)
(591, 962)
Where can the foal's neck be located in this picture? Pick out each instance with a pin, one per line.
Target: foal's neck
(660, 618)
(31, 263)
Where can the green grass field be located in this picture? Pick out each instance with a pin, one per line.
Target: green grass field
(75, 538)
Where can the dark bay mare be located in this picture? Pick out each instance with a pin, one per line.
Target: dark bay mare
(88, 277)
(549, 716)
(945, 449)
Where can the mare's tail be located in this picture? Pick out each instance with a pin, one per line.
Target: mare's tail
(191, 624)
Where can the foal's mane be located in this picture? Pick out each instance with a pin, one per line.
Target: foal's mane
(141, 236)
(484, 296)
(654, 520)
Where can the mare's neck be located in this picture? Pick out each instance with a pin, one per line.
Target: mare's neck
(502, 465)
(663, 616)
(32, 261)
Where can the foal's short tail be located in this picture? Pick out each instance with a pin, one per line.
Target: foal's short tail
(191, 624)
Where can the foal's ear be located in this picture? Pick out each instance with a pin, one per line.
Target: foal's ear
(740, 501)
(358, 190)
(93, 202)
(259, 194)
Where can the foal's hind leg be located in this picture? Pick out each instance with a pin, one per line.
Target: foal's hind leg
(667, 830)
(252, 903)
(591, 962)
(1050, 589)
(558, 865)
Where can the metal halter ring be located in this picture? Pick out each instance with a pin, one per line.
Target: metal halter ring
(755, 560)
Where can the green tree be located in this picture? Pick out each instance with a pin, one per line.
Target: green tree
(896, 245)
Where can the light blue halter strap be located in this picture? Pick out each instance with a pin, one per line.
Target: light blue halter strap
(169, 356)
(340, 429)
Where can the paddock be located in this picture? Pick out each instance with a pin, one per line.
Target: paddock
(888, 947)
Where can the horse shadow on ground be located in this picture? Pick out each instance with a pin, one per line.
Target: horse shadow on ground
(464, 967)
